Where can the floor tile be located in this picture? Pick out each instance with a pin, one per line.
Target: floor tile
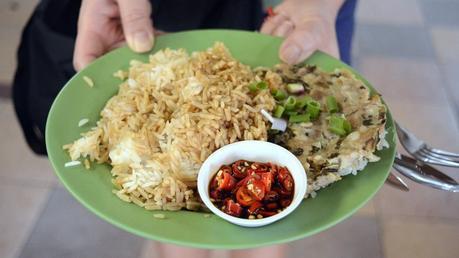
(19, 208)
(15, 13)
(394, 41)
(151, 249)
(13, 16)
(5, 91)
(356, 237)
(446, 43)
(420, 238)
(367, 210)
(220, 254)
(17, 159)
(420, 201)
(400, 79)
(9, 40)
(66, 229)
(395, 12)
(450, 72)
(440, 12)
(433, 123)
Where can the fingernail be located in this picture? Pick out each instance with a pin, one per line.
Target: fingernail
(291, 54)
(141, 41)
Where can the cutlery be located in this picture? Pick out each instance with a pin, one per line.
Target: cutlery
(397, 182)
(424, 174)
(421, 151)
(276, 123)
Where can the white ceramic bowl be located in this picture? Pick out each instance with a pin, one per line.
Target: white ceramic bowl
(259, 151)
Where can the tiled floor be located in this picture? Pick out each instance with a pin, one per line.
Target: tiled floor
(408, 49)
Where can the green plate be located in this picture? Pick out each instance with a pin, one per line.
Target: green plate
(94, 190)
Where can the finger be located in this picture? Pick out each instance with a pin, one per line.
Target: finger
(284, 29)
(116, 45)
(87, 48)
(159, 32)
(298, 46)
(88, 44)
(271, 23)
(137, 25)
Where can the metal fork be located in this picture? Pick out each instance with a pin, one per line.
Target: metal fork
(424, 174)
(421, 151)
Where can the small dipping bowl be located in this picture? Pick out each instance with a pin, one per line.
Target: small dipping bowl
(257, 151)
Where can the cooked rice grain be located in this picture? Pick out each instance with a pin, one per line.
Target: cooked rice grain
(88, 81)
(169, 115)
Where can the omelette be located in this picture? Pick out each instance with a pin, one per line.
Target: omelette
(327, 153)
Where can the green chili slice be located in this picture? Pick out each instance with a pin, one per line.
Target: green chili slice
(304, 118)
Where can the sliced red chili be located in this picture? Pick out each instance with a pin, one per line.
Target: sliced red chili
(243, 182)
(256, 189)
(282, 174)
(255, 207)
(260, 167)
(267, 179)
(273, 167)
(240, 169)
(243, 197)
(285, 202)
(232, 208)
(271, 196)
(288, 183)
(226, 182)
(226, 169)
(215, 194)
(272, 206)
(267, 213)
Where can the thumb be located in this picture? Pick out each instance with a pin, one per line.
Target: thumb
(300, 44)
(137, 25)
(314, 33)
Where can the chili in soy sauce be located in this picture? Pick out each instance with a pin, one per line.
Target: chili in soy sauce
(251, 190)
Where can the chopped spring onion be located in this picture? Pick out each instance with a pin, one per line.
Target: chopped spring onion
(279, 94)
(262, 85)
(347, 126)
(295, 88)
(256, 86)
(332, 105)
(339, 125)
(253, 87)
(337, 131)
(302, 102)
(291, 113)
(304, 118)
(313, 109)
(290, 103)
(278, 111)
